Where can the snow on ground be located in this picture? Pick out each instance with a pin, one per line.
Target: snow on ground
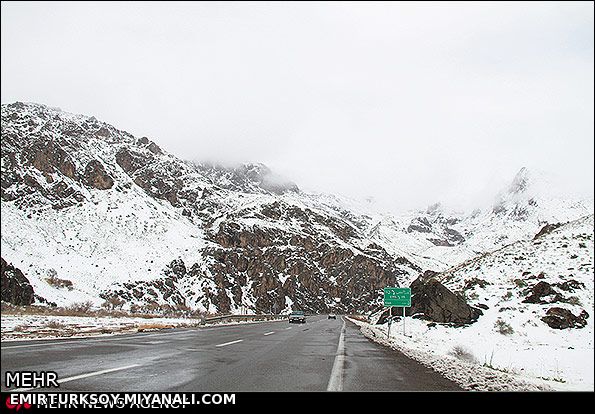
(566, 255)
(470, 375)
(83, 245)
(510, 336)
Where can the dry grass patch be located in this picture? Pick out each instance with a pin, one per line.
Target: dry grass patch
(153, 326)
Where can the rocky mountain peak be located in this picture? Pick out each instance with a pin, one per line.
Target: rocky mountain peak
(520, 182)
(517, 200)
(435, 208)
(250, 178)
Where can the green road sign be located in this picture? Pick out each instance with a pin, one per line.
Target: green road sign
(397, 297)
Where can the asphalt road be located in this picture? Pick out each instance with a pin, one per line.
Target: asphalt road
(320, 355)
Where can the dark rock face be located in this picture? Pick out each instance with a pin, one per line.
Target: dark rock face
(320, 276)
(454, 236)
(146, 172)
(50, 157)
(130, 161)
(437, 227)
(16, 288)
(432, 299)
(560, 318)
(440, 242)
(542, 293)
(548, 228)
(420, 224)
(267, 267)
(388, 314)
(97, 177)
(154, 148)
(570, 285)
(55, 167)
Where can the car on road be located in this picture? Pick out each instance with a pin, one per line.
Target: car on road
(332, 316)
(297, 317)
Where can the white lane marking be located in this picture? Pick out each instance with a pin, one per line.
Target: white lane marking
(335, 382)
(288, 328)
(269, 333)
(81, 376)
(229, 343)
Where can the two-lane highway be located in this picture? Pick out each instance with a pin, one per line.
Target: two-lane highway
(323, 354)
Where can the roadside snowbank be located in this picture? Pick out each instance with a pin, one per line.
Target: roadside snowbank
(438, 352)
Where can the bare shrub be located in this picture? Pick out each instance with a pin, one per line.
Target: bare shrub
(507, 295)
(55, 281)
(503, 327)
(55, 325)
(464, 354)
(113, 302)
(21, 328)
(153, 326)
(80, 308)
(8, 308)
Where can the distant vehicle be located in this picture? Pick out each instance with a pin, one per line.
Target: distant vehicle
(297, 317)
(332, 316)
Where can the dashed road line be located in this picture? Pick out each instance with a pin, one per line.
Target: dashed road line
(269, 333)
(229, 343)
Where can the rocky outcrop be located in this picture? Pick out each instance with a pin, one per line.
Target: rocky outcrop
(146, 172)
(542, 293)
(131, 161)
(265, 269)
(16, 288)
(433, 301)
(317, 274)
(515, 202)
(437, 227)
(97, 177)
(49, 157)
(548, 228)
(570, 285)
(420, 224)
(560, 318)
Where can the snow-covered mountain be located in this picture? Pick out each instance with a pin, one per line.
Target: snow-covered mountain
(438, 239)
(119, 217)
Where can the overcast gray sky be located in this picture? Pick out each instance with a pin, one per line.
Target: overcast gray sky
(404, 102)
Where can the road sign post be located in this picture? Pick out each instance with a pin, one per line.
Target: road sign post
(400, 297)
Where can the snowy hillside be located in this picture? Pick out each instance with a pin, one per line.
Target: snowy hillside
(90, 212)
(536, 330)
(518, 286)
(116, 216)
(438, 239)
